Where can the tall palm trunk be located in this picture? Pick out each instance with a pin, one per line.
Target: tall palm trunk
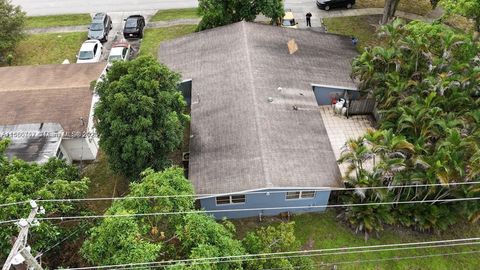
(389, 10)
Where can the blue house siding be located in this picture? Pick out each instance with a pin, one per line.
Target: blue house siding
(267, 199)
(322, 93)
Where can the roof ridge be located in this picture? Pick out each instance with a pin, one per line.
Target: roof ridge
(255, 108)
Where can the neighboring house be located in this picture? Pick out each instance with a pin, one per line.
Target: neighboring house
(257, 137)
(47, 111)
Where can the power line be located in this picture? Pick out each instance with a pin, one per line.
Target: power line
(153, 265)
(13, 203)
(342, 250)
(59, 242)
(245, 209)
(388, 259)
(242, 193)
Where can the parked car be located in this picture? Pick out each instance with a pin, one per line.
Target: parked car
(120, 52)
(328, 4)
(134, 26)
(100, 27)
(90, 52)
(289, 21)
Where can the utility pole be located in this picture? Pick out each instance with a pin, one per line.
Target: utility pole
(20, 252)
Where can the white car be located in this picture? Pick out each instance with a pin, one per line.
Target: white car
(120, 52)
(90, 52)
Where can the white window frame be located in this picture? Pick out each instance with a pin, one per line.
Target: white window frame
(300, 195)
(231, 200)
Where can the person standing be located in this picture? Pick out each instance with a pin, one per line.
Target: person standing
(309, 16)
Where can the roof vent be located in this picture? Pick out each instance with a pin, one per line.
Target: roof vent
(270, 99)
(279, 89)
(292, 46)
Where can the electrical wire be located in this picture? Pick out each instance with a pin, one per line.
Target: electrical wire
(308, 255)
(41, 253)
(386, 259)
(243, 209)
(240, 193)
(342, 250)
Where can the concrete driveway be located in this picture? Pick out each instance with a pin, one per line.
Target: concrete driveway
(301, 7)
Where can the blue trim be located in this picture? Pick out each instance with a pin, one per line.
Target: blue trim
(275, 199)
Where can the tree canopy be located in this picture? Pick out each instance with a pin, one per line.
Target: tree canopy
(426, 81)
(158, 237)
(219, 12)
(192, 235)
(273, 239)
(466, 8)
(12, 20)
(22, 181)
(140, 115)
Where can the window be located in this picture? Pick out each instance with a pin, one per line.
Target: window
(234, 199)
(296, 195)
(85, 55)
(59, 154)
(131, 23)
(96, 27)
(288, 22)
(293, 195)
(308, 194)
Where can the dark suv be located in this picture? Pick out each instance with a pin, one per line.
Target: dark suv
(328, 4)
(100, 27)
(134, 26)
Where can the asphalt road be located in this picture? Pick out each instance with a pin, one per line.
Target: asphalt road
(50, 7)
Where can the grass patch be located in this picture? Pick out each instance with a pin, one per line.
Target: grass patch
(321, 231)
(52, 48)
(420, 7)
(58, 20)
(103, 183)
(460, 23)
(172, 14)
(153, 37)
(362, 27)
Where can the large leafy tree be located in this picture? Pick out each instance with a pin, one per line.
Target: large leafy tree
(426, 81)
(22, 181)
(466, 8)
(202, 237)
(273, 239)
(218, 12)
(12, 20)
(117, 241)
(140, 115)
(160, 237)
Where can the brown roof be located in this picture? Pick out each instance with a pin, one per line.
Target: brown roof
(241, 141)
(48, 94)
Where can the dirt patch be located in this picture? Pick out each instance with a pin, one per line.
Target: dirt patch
(309, 244)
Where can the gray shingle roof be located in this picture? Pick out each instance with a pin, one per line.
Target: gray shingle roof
(32, 142)
(241, 141)
(48, 94)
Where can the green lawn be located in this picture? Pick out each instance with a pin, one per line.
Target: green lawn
(53, 48)
(172, 14)
(58, 20)
(104, 183)
(321, 231)
(420, 7)
(362, 27)
(153, 37)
